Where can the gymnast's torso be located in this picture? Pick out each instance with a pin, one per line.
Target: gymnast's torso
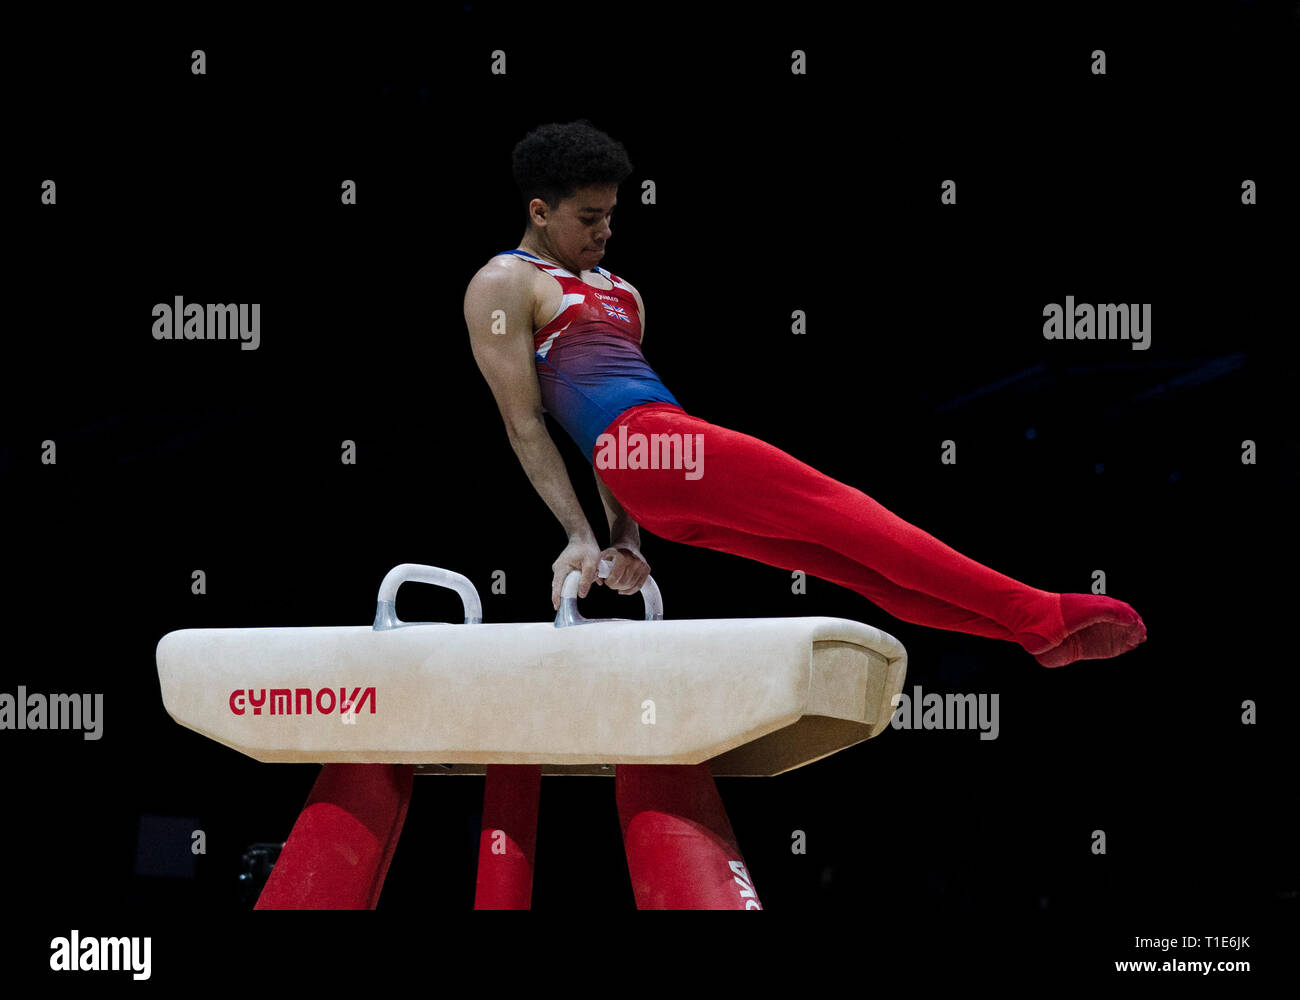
(587, 342)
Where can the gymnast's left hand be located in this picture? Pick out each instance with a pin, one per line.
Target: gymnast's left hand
(630, 570)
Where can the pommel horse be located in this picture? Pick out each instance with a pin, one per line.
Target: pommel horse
(662, 706)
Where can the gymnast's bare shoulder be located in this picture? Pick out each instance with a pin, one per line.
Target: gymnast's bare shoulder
(506, 279)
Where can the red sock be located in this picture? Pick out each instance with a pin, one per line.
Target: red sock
(1097, 627)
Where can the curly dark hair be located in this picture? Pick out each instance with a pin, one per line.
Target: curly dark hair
(553, 161)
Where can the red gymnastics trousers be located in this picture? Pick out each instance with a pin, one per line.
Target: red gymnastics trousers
(751, 499)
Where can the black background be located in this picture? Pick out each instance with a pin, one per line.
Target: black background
(775, 192)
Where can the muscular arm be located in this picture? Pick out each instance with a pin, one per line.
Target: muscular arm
(623, 531)
(506, 361)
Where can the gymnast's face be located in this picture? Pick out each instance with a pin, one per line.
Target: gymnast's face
(575, 233)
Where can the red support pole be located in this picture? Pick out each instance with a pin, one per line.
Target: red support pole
(508, 837)
(337, 855)
(681, 852)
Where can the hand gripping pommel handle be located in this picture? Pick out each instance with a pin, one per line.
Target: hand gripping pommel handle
(386, 612)
(569, 614)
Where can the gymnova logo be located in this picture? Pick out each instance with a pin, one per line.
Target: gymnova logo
(741, 877)
(298, 701)
(950, 711)
(75, 954)
(653, 451)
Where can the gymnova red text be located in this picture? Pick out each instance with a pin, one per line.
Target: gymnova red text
(298, 701)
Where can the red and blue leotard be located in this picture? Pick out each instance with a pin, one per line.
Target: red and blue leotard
(589, 363)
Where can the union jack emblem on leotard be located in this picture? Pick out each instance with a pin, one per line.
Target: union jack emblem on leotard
(616, 312)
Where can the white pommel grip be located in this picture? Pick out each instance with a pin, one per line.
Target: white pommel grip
(386, 611)
(569, 614)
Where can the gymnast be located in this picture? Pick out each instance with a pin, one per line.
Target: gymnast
(553, 331)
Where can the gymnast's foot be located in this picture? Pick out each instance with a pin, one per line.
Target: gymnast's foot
(1097, 627)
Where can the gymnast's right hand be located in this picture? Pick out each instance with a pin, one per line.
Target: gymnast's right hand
(579, 554)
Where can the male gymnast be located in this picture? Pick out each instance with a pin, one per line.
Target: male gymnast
(571, 346)
(571, 343)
